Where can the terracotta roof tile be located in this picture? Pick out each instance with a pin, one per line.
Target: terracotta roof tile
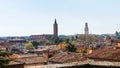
(31, 60)
(66, 57)
(14, 63)
(107, 53)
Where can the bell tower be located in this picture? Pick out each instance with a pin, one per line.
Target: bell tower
(55, 29)
(86, 28)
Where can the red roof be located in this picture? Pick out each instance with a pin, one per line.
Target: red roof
(106, 53)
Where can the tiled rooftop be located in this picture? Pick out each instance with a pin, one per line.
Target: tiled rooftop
(28, 55)
(66, 57)
(31, 60)
(106, 53)
(14, 63)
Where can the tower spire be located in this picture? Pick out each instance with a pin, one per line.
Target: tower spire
(55, 21)
(86, 31)
(86, 28)
(55, 29)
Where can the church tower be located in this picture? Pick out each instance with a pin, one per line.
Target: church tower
(86, 28)
(55, 29)
(86, 31)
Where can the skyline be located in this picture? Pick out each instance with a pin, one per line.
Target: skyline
(28, 17)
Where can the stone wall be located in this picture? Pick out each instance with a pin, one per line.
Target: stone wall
(91, 64)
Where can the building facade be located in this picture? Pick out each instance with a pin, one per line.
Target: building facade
(40, 37)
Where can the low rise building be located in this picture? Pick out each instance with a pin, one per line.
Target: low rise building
(40, 37)
(27, 60)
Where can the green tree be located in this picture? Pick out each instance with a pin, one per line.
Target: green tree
(29, 46)
(67, 40)
(88, 38)
(4, 60)
(76, 37)
(51, 41)
(71, 48)
(58, 40)
(72, 38)
(42, 42)
(35, 44)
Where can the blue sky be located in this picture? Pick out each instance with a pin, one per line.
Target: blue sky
(28, 17)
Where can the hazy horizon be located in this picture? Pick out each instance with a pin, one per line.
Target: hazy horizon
(29, 17)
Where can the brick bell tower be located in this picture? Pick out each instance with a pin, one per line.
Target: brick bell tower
(55, 29)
